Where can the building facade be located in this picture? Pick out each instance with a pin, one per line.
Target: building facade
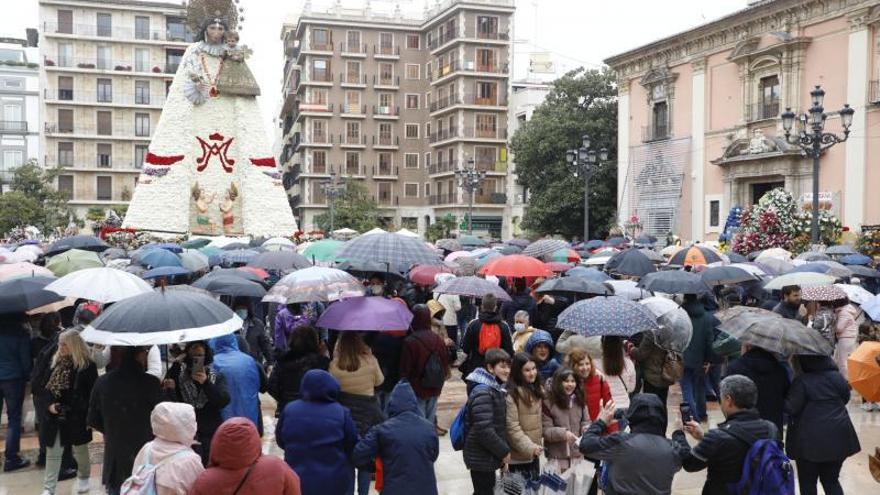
(19, 101)
(699, 115)
(400, 104)
(106, 68)
(525, 97)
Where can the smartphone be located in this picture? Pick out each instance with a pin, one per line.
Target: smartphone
(686, 415)
(198, 364)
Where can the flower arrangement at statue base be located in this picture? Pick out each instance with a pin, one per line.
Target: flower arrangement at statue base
(776, 221)
(127, 239)
(869, 242)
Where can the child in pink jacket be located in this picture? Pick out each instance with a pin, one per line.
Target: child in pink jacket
(174, 425)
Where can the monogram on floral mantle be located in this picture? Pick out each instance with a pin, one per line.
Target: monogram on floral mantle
(206, 168)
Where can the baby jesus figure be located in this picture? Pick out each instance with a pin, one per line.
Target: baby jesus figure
(236, 78)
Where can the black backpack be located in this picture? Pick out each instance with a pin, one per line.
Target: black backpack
(433, 375)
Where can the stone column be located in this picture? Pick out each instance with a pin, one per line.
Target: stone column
(622, 150)
(856, 95)
(698, 134)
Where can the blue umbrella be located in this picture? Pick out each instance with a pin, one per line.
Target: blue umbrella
(588, 273)
(612, 316)
(164, 271)
(238, 256)
(593, 244)
(154, 258)
(486, 257)
(856, 259)
(170, 246)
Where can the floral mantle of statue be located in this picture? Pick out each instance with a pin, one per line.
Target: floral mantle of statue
(209, 169)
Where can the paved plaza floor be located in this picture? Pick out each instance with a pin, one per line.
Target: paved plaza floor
(452, 476)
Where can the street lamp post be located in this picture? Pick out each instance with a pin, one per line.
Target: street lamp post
(470, 179)
(332, 189)
(583, 160)
(813, 140)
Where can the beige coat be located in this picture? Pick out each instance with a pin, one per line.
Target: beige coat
(361, 382)
(524, 429)
(521, 337)
(556, 422)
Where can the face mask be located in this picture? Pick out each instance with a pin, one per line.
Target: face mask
(242, 313)
(376, 290)
(519, 327)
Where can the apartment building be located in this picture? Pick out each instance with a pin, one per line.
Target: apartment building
(19, 102)
(399, 103)
(106, 68)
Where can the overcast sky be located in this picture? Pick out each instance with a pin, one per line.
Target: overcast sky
(574, 32)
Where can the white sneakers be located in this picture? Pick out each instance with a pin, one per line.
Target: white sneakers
(82, 485)
(870, 406)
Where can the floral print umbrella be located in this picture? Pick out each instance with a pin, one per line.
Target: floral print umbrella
(825, 293)
(613, 316)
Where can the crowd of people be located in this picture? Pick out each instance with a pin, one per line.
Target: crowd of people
(359, 409)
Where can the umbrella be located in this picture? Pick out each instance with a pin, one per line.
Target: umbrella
(736, 257)
(237, 256)
(170, 246)
(82, 242)
(856, 259)
(726, 275)
(558, 266)
(774, 253)
(813, 256)
(674, 282)
(516, 265)
(195, 243)
(164, 271)
(750, 267)
(235, 246)
(210, 250)
(544, 247)
(520, 243)
(863, 271)
(772, 332)
(825, 293)
(23, 270)
(366, 314)
(104, 285)
(630, 262)
(832, 268)
(610, 316)
(259, 272)
(776, 265)
(364, 268)
(588, 273)
(193, 261)
(73, 260)
(486, 256)
(864, 371)
(598, 258)
(324, 250)
(375, 230)
(855, 293)
(564, 255)
(235, 272)
(404, 232)
(448, 244)
(627, 289)
(162, 317)
(577, 285)
(669, 251)
(155, 258)
(472, 287)
(280, 260)
(652, 255)
(645, 239)
(229, 285)
(694, 255)
(840, 250)
(424, 274)
(23, 294)
(113, 254)
(279, 241)
(314, 284)
(457, 254)
(872, 307)
(508, 249)
(675, 327)
(593, 244)
(389, 248)
(616, 241)
(470, 241)
(802, 279)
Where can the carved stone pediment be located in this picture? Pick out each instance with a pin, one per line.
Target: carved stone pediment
(745, 47)
(756, 147)
(773, 43)
(658, 75)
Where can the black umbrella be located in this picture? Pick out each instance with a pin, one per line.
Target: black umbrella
(162, 317)
(645, 239)
(736, 258)
(674, 282)
(630, 262)
(593, 244)
(364, 268)
(235, 273)
(724, 275)
(228, 285)
(84, 242)
(24, 294)
(574, 285)
(280, 260)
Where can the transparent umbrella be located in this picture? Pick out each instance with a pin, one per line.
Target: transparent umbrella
(675, 327)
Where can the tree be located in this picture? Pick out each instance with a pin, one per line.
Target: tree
(36, 186)
(354, 208)
(580, 102)
(441, 228)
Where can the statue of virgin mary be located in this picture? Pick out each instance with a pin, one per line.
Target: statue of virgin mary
(209, 169)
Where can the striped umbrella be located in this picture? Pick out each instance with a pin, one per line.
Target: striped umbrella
(544, 247)
(389, 248)
(695, 255)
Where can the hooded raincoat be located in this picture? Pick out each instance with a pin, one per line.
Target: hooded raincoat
(244, 379)
(548, 367)
(174, 426)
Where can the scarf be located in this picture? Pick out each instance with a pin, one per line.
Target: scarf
(59, 380)
(190, 390)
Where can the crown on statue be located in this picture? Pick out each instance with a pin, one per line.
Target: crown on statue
(226, 12)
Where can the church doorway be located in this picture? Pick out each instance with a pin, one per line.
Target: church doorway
(759, 189)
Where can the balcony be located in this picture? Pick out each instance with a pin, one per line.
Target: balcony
(443, 199)
(385, 51)
(353, 50)
(353, 111)
(762, 111)
(356, 80)
(466, 99)
(318, 47)
(120, 33)
(468, 67)
(386, 199)
(346, 141)
(318, 140)
(109, 65)
(318, 77)
(655, 133)
(386, 82)
(351, 170)
(387, 112)
(490, 199)
(69, 97)
(89, 131)
(443, 168)
(386, 141)
(444, 38)
(316, 108)
(13, 126)
(469, 133)
(385, 171)
(443, 135)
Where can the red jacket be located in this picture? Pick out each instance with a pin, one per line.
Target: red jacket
(416, 349)
(597, 391)
(235, 447)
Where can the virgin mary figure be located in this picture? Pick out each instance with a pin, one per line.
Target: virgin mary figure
(209, 169)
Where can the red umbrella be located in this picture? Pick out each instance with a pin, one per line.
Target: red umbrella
(558, 267)
(516, 265)
(424, 274)
(263, 274)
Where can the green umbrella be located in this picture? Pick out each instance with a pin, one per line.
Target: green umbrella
(210, 250)
(470, 241)
(196, 243)
(324, 250)
(73, 260)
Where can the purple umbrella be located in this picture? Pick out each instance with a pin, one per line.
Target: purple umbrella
(366, 314)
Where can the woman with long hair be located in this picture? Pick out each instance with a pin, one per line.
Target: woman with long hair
(358, 374)
(524, 427)
(62, 408)
(619, 371)
(564, 418)
(304, 353)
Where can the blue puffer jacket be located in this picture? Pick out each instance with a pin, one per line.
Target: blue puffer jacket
(548, 367)
(242, 375)
(15, 350)
(407, 445)
(318, 436)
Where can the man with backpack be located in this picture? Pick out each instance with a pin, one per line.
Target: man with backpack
(424, 362)
(742, 455)
(487, 331)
